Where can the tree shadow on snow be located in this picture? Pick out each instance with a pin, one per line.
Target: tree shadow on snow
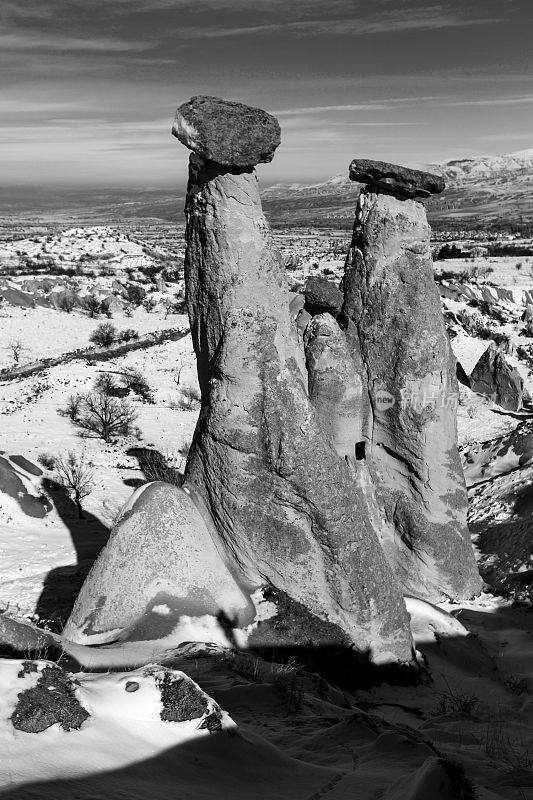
(62, 584)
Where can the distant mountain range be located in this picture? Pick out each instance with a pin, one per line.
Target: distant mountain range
(483, 192)
(493, 192)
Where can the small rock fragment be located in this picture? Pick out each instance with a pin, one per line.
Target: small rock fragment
(322, 296)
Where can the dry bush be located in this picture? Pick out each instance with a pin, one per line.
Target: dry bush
(92, 305)
(46, 460)
(105, 416)
(72, 407)
(104, 335)
(134, 381)
(66, 302)
(190, 397)
(16, 349)
(157, 467)
(76, 475)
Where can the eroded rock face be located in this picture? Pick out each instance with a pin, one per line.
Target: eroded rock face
(393, 318)
(163, 563)
(227, 132)
(496, 379)
(282, 498)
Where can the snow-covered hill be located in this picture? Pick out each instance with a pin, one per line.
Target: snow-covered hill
(480, 192)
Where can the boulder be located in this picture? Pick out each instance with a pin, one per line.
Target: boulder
(400, 181)
(393, 318)
(162, 566)
(227, 132)
(496, 379)
(322, 295)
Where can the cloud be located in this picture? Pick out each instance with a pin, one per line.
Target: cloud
(493, 101)
(327, 109)
(57, 42)
(408, 19)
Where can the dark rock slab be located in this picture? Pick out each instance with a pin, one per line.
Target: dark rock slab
(51, 701)
(400, 181)
(322, 296)
(26, 465)
(230, 133)
(496, 379)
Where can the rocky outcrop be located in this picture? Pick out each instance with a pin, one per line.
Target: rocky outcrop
(393, 319)
(495, 378)
(324, 469)
(281, 497)
(160, 570)
(322, 295)
(231, 134)
(51, 701)
(400, 181)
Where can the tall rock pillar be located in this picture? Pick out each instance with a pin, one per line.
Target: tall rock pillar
(392, 308)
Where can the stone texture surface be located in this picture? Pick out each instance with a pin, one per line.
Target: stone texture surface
(284, 502)
(229, 133)
(398, 180)
(322, 295)
(336, 389)
(496, 379)
(394, 322)
(52, 700)
(162, 561)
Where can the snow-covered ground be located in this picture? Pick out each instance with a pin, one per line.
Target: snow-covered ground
(297, 737)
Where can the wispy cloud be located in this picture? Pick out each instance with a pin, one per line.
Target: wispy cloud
(290, 112)
(409, 19)
(493, 101)
(57, 42)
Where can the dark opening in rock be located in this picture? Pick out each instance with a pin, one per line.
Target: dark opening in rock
(360, 451)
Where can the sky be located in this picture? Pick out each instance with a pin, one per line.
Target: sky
(89, 87)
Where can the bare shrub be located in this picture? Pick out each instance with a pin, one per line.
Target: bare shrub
(46, 460)
(16, 349)
(128, 335)
(157, 467)
(183, 450)
(105, 384)
(135, 294)
(176, 377)
(189, 399)
(455, 700)
(135, 382)
(92, 305)
(72, 407)
(105, 416)
(66, 302)
(76, 475)
(104, 335)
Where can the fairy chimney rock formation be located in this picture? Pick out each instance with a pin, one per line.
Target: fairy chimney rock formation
(283, 500)
(393, 315)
